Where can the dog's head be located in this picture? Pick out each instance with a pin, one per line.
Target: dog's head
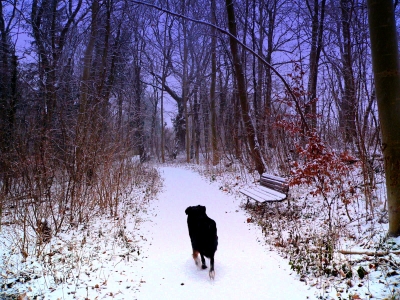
(195, 210)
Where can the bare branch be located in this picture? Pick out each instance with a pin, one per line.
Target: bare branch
(223, 31)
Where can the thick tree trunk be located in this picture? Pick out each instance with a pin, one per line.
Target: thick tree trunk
(385, 61)
(255, 150)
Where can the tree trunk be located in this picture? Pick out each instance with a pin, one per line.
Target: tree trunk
(205, 111)
(139, 118)
(82, 127)
(164, 71)
(196, 123)
(348, 104)
(214, 143)
(271, 11)
(385, 62)
(258, 74)
(255, 150)
(185, 84)
(8, 101)
(318, 16)
(179, 122)
(8, 88)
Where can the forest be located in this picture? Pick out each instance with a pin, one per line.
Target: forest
(279, 86)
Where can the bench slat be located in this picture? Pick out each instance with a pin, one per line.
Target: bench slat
(250, 193)
(269, 192)
(273, 177)
(279, 186)
(262, 194)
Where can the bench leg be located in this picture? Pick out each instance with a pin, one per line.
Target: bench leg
(264, 208)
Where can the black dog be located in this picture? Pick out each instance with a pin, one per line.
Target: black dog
(203, 235)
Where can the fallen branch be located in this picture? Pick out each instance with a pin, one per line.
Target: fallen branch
(369, 253)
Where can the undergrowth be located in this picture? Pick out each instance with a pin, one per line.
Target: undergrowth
(78, 250)
(318, 222)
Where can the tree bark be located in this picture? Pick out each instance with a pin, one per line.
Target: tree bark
(385, 62)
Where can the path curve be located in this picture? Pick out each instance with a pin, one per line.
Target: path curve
(245, 269)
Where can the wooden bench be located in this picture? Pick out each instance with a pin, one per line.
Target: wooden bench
(271, 189)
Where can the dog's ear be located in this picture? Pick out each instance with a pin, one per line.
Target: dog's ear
(203, 208)
(187, 210)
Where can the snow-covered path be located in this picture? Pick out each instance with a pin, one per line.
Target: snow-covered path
(245, 269)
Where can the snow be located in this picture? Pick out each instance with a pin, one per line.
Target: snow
(245, 269)
(146, 254)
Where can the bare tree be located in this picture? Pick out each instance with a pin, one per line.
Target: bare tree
(348, 103)
(385, 59)
(242, 93)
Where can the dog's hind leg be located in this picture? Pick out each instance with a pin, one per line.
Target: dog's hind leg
(196, 257)
(203, 262)
(212, 271)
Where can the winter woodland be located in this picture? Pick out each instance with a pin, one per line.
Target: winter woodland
(117, 114)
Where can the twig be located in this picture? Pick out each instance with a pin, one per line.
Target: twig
(369, 253)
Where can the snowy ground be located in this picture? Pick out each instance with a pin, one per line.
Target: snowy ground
(298, 232)
(147, 254)
(245, 269)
